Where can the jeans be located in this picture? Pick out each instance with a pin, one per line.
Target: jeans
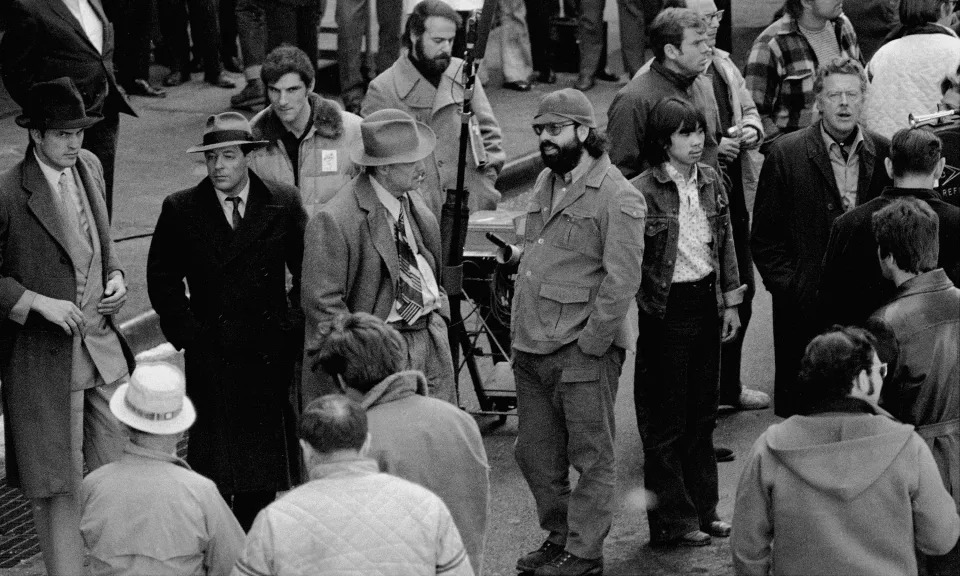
(675, 391)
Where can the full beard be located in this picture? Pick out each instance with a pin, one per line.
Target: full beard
(436, 65)
(567, 157)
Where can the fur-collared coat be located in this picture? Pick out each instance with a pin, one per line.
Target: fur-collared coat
(324, 159)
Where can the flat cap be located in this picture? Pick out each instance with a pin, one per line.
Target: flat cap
(563, 105)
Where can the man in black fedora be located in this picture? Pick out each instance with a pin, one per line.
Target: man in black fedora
(233, 237)
(375, 248)
(47, 39)
(60, 285)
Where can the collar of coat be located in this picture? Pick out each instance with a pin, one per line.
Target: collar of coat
(327, 120)
(344, 466)
(141, 452)
(408, 77)
(396, 387)
(817, 147)
(704, 177)
(932, 281)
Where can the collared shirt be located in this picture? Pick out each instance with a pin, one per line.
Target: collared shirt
(148, 513)
(693, 245)
(52, 175)
(561, 182)
(227, 207)
(89, 21)
(430, 290)
(846, 166)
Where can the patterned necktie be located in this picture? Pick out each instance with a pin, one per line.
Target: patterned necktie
(237, 218)
(69, 191)
(409, 286)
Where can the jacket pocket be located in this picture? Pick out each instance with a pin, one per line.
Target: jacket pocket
(580, 233)
(560, 306)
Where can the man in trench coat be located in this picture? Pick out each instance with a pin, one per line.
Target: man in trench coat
(61, 356)
(233, 237)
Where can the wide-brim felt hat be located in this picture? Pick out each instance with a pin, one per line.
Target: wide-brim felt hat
(227, 129)
(154, 400)
(55, 105)
(392, 136)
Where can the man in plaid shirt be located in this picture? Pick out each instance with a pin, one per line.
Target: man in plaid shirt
(784, 58)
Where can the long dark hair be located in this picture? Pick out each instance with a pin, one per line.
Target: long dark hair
(667, 117)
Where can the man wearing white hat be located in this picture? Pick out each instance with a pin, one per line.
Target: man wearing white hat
(149, 513)
(376, 248)
(233, 237)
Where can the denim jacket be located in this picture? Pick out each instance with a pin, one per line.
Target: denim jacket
(662, 234)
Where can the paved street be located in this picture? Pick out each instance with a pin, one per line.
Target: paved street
(152, 164)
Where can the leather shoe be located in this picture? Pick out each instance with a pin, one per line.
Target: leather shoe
(519, 86)
(692, 538)
(568, 564)
(584, 83)
(542, 555)
(221, 81)
(141, 87)
(724, 454)
(752, 400)
(606, 76)
(250, 97)
(717, 528)
(546, 77)
(176, 78)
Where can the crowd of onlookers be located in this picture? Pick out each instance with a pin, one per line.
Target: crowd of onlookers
(305, 278)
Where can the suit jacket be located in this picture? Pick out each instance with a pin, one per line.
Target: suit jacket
(852, 286)
(45, 41)
(240, 333)
(36, 357)
(350, 261)
(404, 88)
(797, 202)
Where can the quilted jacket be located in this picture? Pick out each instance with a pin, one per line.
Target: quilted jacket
(905, 77)
(352, 520)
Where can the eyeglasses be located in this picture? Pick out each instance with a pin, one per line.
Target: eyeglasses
(852, 97)
(552, 129)
(714, 17)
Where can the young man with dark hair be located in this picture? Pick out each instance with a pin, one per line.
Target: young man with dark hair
(852, 285)
(809, 179)
(217, 277)
(681, 50)
(350, 515)
(421, 439)
(688, 304)
(426, 82)
(845, 488)
(783, 62)
(309, 137)
(919, 337)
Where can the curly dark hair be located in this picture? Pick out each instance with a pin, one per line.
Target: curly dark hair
(832, 361)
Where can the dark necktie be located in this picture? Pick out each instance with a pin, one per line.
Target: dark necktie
(409, 286)
(237, 218)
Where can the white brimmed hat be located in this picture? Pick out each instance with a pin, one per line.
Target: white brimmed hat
(154, 401)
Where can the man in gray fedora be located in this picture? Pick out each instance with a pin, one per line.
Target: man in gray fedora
(376, 248)
(233, 238)
(60, 285)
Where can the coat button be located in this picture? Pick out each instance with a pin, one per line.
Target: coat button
(527, 274)
(830, 206)
(540, 241)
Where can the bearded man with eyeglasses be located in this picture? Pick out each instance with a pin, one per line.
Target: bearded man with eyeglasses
(582, 249)
(809, 178)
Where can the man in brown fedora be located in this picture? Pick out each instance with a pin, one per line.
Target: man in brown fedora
(375, 248)
(233, 237)
(60, 285)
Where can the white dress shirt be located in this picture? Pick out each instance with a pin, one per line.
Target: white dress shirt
(89, 21)
(227, 207)
(430, 291)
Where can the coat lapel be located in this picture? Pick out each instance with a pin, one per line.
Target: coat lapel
(259, 212)
(450, 91)
(378, 225)
(99, 210)
(868, 155)
(61, 10)
(413, 89)
(42, 202)
(817, 152)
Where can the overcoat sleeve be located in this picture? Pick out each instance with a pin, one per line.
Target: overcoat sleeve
(772, 252)
(166, 272)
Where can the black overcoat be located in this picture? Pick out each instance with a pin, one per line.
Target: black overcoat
(238, 325)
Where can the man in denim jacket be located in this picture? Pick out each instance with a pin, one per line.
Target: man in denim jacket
(583, 246)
